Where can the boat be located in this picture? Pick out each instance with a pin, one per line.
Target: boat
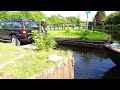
(113, 53)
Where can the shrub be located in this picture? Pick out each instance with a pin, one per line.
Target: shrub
(107, 27)
(43, 41)
(84, 34)
(67, 30)
(113, 18)
(118, 27)
(114, 28)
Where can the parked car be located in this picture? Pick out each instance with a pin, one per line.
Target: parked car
(18, 30)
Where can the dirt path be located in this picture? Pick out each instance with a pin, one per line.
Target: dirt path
(11, 61)
(28, 46)
(0, 54)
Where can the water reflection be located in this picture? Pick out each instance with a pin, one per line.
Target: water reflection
(113, 73)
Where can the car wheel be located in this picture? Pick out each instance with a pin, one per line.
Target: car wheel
(15, 41)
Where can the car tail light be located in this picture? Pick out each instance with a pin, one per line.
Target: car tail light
(23, 31)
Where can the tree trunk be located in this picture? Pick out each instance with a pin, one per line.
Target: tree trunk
(73, 26)
(93, 28)
(62, 26)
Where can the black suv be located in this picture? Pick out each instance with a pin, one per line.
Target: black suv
(18, 30)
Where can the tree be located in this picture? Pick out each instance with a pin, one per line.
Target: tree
(112, 22)
(78, 22)
(3, 15)
(56, 19)
(99, 20)
(73, 21)
(36, 15)
(113, 18)
(12, 14)
(100, 17)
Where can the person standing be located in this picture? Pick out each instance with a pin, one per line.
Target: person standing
(44, 26)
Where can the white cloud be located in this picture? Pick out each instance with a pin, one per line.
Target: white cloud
(82, 14)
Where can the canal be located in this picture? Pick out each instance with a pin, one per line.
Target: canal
(92, 64)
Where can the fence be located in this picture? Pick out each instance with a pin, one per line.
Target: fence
(67, 25)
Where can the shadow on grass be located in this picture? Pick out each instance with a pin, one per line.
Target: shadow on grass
(8, 41)
(1, 41)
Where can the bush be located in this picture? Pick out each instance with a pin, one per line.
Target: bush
(113, 18)
(67, 30)
(84, 34)
(118, 27)
(43, 41)
(114, 28)
(107, 27)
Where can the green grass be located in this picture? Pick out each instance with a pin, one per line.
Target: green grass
(97, 35)
(77, 34)
(9, 52)
(32, 64)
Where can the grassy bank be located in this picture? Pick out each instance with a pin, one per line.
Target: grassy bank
(33, 63)
(77, 34)
(8, 52)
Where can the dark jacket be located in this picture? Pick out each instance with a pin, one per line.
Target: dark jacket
(44, 24)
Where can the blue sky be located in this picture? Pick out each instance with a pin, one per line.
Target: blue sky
(82, 14)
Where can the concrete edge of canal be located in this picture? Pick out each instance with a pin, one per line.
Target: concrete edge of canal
(65, 68)
(62, 70)
(91, 43)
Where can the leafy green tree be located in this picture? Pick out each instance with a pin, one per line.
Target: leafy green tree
(36, 15)
(112, 22)
(56, 19)
(113, 18)
(24, 14)
(100, 17)
(98, 20)
(3, 15)
(73, 20)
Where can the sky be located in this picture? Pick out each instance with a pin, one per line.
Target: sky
(82, 14)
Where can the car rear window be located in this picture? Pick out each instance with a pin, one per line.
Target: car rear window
(30, 24)
(17, 24)
(6, 24)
